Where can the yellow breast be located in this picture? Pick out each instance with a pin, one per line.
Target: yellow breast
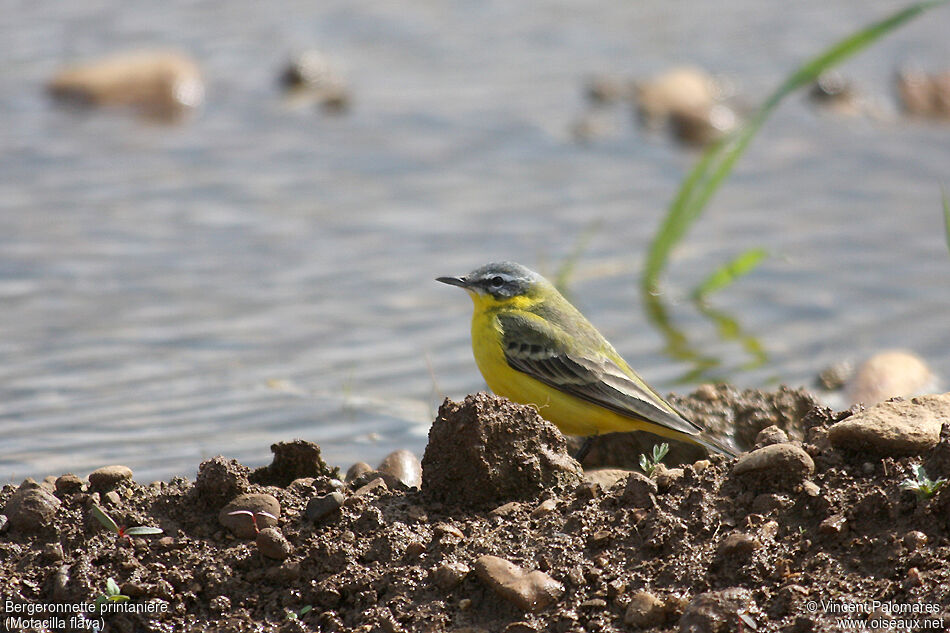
(571, 414)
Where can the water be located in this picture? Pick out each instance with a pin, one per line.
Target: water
(264, 272)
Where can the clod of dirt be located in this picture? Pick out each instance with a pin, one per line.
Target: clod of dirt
(529, 591)
(448, 576)
(639, 491)
(723, 409)
(293, 460)
(404, 466)
(219, 480)
(606, 478)
(241, 525)
(895, 428)
(644, 611)
(486, 450)
(108, 477)
(778, 466)
(716, 611)
(272, 544)
(68, 484)
(319, 508)
(32, 507)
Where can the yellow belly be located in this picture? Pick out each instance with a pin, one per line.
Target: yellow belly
(570, 414)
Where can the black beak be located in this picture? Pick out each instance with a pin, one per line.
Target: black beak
(461, 282)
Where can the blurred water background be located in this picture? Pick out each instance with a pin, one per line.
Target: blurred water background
(262, 272)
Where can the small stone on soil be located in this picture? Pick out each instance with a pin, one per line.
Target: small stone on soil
(109, 476)
(404, 466)
(529, 591)
(241, 525)
(644, 611)
(68, 484)
(318, 508)
(272, 544)
(781, 466)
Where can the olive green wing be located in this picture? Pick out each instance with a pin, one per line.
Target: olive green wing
(541, 350)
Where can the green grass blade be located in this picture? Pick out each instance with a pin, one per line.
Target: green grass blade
(100, 515)
(717, 162)
(728, 273)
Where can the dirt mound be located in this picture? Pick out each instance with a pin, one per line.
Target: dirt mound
(486, 451)
(781, 543)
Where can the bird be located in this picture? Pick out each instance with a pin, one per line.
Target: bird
(533, 347)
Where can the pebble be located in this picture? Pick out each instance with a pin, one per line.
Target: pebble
(32, 507)
(448, 576)
(607, 478)
(415, 549)
(923, 94)
(544, 508)
(112, 498)
(109, 476)
(644, 611)
(377, 484)
(889, 374)
(158, 83)
(666, 477)
(443, 530)
(319, 508)
(715, 611)
(811, 489)
(738, 546)
(273, 544)
(311, 72)
(506, 509)
(529, 591)
(356, 470)
(241, 524)
(770, 435)
(913, 579)
(835, 524)
(777, 465)
(678, 90)
(4, 524)
(895, 429)
(915, 539)
(639, 491)
(769, 529)
(53, 552)
(404, 466)
(68, 484)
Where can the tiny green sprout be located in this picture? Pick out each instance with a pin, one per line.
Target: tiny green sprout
(292, 615)
(924, 486)
(649, 464)
(121, 531)
(253, 516)
(112, 594)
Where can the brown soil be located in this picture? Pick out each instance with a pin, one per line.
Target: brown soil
(704, 549)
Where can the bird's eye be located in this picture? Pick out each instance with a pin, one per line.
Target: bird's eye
(496, 282)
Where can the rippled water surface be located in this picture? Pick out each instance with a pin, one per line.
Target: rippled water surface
(263, 272)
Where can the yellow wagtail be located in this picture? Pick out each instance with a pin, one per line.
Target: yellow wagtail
(533, 347)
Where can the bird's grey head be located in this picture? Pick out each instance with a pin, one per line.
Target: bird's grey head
(501, 280)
